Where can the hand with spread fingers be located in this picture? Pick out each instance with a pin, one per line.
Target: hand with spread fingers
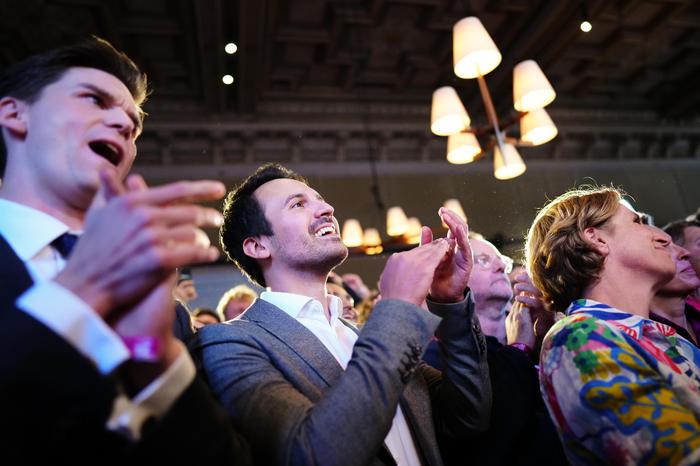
(452, 275)
(135, 238)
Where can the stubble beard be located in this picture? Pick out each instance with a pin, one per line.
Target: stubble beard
(329, 258)
(319, 259)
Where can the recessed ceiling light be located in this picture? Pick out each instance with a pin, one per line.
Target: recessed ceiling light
(230, 48)
(227, 79)
(586, 26)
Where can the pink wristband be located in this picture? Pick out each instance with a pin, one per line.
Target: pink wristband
(523, 347)
(143, 348)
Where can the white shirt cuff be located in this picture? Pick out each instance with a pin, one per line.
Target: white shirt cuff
(161, 394)
(155, 400)
(72, 319)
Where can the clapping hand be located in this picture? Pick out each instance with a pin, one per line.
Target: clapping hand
(452, 274)
(135, 237)
(409, 275)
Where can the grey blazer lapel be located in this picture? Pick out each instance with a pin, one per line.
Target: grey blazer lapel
(297, 338)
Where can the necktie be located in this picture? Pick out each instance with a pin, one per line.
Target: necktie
(64, 244)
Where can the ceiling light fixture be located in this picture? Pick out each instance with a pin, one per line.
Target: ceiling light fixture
(585, 25)
(403, 232)
(475, 55)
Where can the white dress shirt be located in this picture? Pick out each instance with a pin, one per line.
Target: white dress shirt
(29, 233)
(339, 340)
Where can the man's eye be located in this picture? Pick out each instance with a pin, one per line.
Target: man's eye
(96, 99)
(298, 204)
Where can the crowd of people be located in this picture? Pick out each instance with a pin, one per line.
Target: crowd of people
(586, 354)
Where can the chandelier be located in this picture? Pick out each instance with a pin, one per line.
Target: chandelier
(402, 232)
(475, 55)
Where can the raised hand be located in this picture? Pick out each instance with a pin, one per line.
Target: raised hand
(408, 275)
(452, 275)
(540, 314)
(149, 322)
(519, 328)
(136, 237)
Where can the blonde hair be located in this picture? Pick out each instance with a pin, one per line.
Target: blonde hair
(237, 292)
(559, 259)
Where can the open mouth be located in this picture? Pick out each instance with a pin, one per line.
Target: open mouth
(325, 231)
(107, 150)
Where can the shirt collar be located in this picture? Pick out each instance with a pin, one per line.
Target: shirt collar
(632, 323)
(28, 230)
(301, 307)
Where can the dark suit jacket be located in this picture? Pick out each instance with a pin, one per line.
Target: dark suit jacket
(521, 432)
(295, 405)
(54, 403)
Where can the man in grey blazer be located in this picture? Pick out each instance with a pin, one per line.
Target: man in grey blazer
(299, 382)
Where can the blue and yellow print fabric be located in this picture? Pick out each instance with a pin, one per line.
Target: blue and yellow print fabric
(622, 389)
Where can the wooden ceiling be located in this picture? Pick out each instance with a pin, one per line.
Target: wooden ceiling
(640, 55)
(344, 80)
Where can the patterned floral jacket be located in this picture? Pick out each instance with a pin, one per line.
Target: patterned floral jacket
(621, 389)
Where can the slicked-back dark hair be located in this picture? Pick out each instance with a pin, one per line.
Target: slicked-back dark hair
(244, 217)
(676, 230)
(27, 79)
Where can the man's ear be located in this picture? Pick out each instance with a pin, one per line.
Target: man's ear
(255, 248)
(596, 238)
(12, 115)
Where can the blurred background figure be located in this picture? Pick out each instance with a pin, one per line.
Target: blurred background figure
(235, 301)
(490, 286)
(185, 291)
(686, 234)
(349, 312)
(515, 273)
(669, 305)
(364, 309)
(354, 285)
(205, 316)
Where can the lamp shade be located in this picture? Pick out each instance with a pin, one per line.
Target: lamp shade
(447, 114)
(531, 88)
(352, 233)
(462, 148)
(474, 52)
(413, 230)
(455, 206)
(536, 127)
(396, 222)
(372, 237)
(508, 164)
